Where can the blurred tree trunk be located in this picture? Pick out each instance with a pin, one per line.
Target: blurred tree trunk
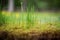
(11, 5)
(24, 5)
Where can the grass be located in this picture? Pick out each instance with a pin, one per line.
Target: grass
(30, 21)
(29, 25)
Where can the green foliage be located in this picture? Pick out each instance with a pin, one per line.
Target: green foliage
(32, 5)
(42, 5)
(17, 3)
(2, 19)
(30, 21)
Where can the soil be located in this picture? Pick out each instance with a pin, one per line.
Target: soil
(48, 35)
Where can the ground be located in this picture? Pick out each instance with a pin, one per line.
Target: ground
(29, 24)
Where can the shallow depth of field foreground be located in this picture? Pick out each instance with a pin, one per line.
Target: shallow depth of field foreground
(29, 26)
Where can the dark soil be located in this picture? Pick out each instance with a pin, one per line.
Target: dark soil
(5, 35)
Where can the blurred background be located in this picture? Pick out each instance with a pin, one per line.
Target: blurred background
(30, 19)
(46, 12)
(30, 5)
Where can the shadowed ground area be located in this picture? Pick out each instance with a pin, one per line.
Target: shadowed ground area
(51, 35)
